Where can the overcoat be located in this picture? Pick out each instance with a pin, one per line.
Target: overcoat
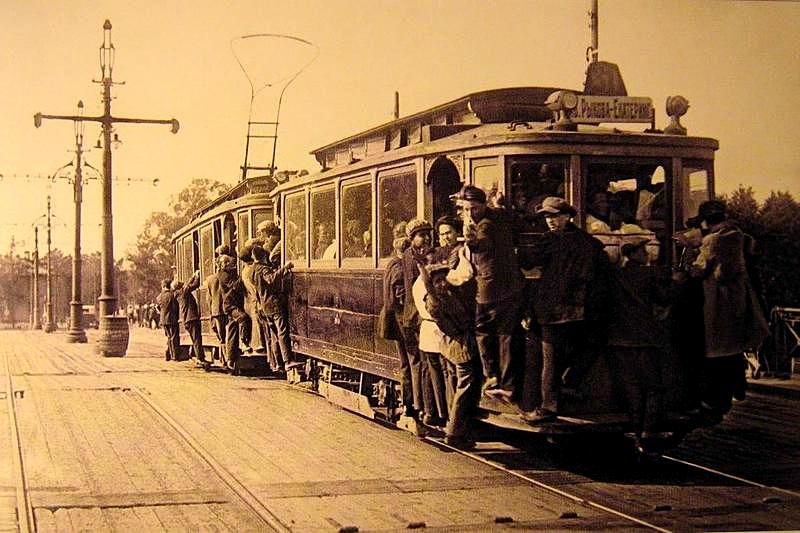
(169, 308)
(734, 322)
(187, 301)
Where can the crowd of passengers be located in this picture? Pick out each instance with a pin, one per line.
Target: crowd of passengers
(248, 310)
(460, 313)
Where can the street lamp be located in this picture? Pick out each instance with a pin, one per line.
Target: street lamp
(76, 333)
(50, 325)
(113, 338)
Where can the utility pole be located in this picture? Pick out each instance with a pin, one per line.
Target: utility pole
(76, 332)
(108, 298)
(50, 325)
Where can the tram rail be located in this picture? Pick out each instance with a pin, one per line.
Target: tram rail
(25, 520)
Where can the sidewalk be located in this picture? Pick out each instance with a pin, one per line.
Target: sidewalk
(788, 388)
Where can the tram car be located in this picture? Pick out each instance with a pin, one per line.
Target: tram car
(526, 143)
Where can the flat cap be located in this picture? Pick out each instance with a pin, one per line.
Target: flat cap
(554, 205)
(471, 194)
(416, 225)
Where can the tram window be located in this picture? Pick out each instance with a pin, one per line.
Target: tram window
(397, 204)
(323, 220)
(217, 226)
(627, 202)
(356, 230)
(532, 180)
(486, 175)
(260, 215)
(695, 190)
(244, 228)
(206, 251)
(295, 230)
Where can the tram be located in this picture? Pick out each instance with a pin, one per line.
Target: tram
(589, 146)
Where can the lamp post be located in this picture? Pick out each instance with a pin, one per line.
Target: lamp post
(107, 300)
(76, 332)
(36, 322)
(50, 325)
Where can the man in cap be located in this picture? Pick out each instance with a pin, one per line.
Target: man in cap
(414, 257)
(569, 300)
(732, 316)
(270, 235)
(190, 315)
(269, 285)
(169, 319)
(488, 235)
(257, 332)
(218, 317)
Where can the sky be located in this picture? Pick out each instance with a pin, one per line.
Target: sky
(736, 62)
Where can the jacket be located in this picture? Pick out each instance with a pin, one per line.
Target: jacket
(214, 295)
(187, 302)
(497, 270)
(574, 282)
(169, 308)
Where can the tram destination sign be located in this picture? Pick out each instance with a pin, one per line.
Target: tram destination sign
(597, 109)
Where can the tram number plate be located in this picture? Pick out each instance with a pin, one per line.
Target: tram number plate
(597, 109)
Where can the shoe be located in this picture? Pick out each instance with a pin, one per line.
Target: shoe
(539, 416)
(460, 442)
(504, 395)
(490, 383)
(431, 420)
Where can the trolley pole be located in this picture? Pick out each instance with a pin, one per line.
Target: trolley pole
(108, 298)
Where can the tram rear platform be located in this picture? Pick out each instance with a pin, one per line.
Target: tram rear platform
(139, 443)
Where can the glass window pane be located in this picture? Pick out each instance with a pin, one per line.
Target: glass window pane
(695, 190)
(533, 180)
(260, 215)
(356, 227)
(627, 202)
(486, 175)
(397, 204)
(295, 230)
(323, 214)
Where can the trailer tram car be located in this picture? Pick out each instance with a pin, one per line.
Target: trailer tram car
(527, 142)
(230, 219)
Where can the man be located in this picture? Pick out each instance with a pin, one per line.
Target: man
(270, 235)
(567, 301)
(257, 328)
(218, 317)
(500, 284)
(190, 315)
(169, 319)
(269, 283)
(732, 316)
(418, 232)
(237, 326)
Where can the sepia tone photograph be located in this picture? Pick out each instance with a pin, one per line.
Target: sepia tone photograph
(380, 265)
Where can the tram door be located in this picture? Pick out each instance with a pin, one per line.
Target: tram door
(443, 179)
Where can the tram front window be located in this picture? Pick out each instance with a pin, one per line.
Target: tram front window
(323, 220)
(695, 190)
(532, 179)
(295, 231)
(627, 202)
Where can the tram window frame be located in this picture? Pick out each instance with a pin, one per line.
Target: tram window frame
(298, 260)
(512, 161)
(660, 249)
(259, 215)
(315, 192)
(206, 251)
(383, 176)
(689, 205)
(476, 164)
(345, 186)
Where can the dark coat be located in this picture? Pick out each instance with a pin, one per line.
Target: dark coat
(411, 262)
(497, 270)
(388, 326)
(214, 295)
(187, 302)
(453, 313)
(269, 288)
(574, 282)
(169, 308)
(638, 303)
(232, 292)
(733, 319)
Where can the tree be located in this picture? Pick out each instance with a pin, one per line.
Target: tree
(152, 258)
(775, 225)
